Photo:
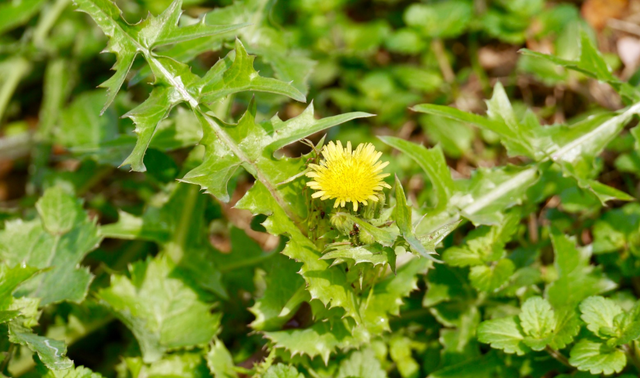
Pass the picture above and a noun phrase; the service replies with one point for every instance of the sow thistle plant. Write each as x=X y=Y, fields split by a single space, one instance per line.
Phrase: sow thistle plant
x=352 y=251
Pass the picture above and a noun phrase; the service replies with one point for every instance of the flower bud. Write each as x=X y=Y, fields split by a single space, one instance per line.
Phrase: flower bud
x=372 y=210
x=342 y=223
x=366 y=238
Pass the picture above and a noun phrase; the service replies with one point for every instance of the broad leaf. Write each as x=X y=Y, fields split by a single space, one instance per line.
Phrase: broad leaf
x=505 y=334
x=160 y=308
x=59 y=240
x=597 y=358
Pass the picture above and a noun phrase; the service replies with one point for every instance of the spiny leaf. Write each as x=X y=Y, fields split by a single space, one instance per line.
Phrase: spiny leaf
x=51 y=352
x=162 y=311
x=240 y=76
x=59 y=241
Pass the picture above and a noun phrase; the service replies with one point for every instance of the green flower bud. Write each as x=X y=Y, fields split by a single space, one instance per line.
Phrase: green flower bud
x=372 y=210
x=365 y=237
x=343 y=224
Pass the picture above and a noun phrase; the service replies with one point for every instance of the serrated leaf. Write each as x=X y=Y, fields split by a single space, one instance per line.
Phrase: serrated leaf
x=598 y=313
x=240 y=76
x=126 y=40
x=505 y=334
x=77 y=372
x=577 y=279
x=284 y=294
x=358 y=255
x=253 y=144
x=491 y=278
x=592 y=64
x=329 y=285
x=597 y=358
x=567 y=327
x=220 y=361
x=10 y=278
x=51 y=352
x=282 y=371
x=162 y=311
x=321 y=339
x=537 y=317
x=361 y=364
x=70 y=237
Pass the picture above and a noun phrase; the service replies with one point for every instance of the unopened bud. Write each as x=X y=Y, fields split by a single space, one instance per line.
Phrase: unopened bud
x=373 y=208
x=366 y=238
x=342 y=223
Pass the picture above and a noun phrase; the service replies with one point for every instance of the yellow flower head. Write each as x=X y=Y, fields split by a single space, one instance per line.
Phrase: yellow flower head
x=348 y=176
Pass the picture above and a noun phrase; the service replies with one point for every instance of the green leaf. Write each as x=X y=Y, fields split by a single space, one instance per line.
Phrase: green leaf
x=597 y=358
x=618 y=229
x=440 y=20
x=220 y=361
x=358 y=255
x=599 y=313
x=505 y=334
x=386 y=237
x=240 y=76
x=51 y=352
x=126 y=40
x=489 y=192
x=283 y=296
x=329 y=285
x=58 y=241
x=321 y=339
x=282 y=371
x=577 y=279
x=252 y=145
x=77 y=372
x=538 y=321
x=592 y=64
x=361 y=364
x=16 y=13
x=484 y=244
x=160 y=308
x=432 y=163
x=491 y=278
x=147 y=117
x=10 y=278
x=402 y=216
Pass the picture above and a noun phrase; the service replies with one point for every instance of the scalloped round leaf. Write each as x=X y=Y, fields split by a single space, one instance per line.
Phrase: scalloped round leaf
x=505 y=334
x=597 y=358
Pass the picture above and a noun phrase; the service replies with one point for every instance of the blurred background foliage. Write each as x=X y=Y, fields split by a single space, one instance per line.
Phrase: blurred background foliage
x=379 y=56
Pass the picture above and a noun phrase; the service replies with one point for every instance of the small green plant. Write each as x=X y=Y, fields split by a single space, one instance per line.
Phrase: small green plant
x=324 y=265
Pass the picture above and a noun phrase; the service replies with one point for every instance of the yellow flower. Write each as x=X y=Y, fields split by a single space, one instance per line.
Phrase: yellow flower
x=348 y=176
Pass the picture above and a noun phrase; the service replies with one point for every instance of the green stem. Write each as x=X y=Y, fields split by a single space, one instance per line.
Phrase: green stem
x=558 y=356
x=48 y=17
x=7 y=359
x=176 y=246
x=12 y=72
x=632 y=354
